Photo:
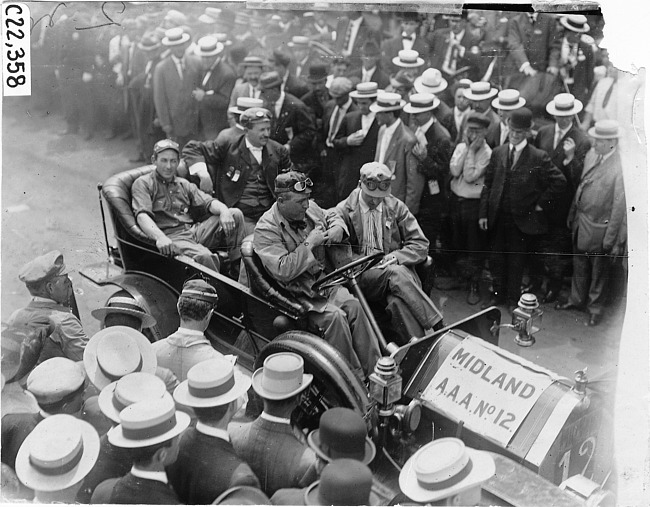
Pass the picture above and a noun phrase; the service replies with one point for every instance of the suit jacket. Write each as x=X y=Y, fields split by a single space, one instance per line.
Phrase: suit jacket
x=141 y=87
x=276 y=456
x=534 y=43
x=583 y=72
x=328 y=111
x=597 y=216
x=214 y=106
x=316 y=106
x=493 y=135
x=439 y=42
x=175 y=106
x=380 y=76
x=435 y=165
x=134 y=490
x=295 y=85
x=364 y=34
x=391 y=47
x=239 y=90
x=224 y=160
x=534 y=180
x=402 y=236
x=409 y=182
x=206 y=467
x=295 y=127
x=15 y=428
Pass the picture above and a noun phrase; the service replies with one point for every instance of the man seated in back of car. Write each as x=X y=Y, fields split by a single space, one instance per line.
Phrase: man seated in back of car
x=161 y=203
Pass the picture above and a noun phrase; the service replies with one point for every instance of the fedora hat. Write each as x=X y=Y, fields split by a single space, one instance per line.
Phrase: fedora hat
x=57 y=454
x=508 y=100
x=605 y=129
x=480 y=90
x=55 y=379
x=211 y=383
x=421 y=102
x=208 y=46
x=367 y=90
x=408 y=58
x=431 y=81
x=342 y=433
x=270 y=79
x=124 y=304
x=443 y=468
x=175 y=37
x=575 y=23
x=387 y=101
x=117 y=351
x=130 y=389
x=521 y=118
x=281 y=377
x=342 y=482
x=149 y=422
x=244 y=103
x=242 y=495
x=564 y=104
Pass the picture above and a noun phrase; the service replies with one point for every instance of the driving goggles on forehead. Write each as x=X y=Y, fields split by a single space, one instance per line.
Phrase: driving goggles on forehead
x=298 y=186
x=374 y=185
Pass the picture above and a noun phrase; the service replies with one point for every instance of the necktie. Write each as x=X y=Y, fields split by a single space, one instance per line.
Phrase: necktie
x=511 y=157
x=599 y=159
x=556 y=140
x=348 y=34
x=372 y=236
x=334 y=125
x=608 y=93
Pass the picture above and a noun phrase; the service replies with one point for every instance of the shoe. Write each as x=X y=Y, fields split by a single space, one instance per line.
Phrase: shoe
x=549 y=297
x=566 y=306
x=473 y=297
x=594 y=320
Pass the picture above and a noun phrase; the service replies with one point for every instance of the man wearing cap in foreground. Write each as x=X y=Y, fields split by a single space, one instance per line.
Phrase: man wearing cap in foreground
x=46 y=278
x=161 y=201
x=244 y=171
x=188 y=346
x=269 y=443
x=252 y=66
x=217 y=80
x=521 y=185
x=290 y=240
x=445 y=472
x=55 y=458
x=379 y=222
x=597 y=221
x=207 y=464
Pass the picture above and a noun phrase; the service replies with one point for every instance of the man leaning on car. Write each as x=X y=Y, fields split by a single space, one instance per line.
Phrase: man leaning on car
x=161 y=202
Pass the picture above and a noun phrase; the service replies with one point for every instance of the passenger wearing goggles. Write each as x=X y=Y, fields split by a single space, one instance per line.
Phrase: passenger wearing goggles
x=379 y=222
x=292 y=240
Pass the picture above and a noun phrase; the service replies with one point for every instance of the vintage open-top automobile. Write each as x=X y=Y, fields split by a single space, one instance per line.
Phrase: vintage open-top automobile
x=542 y=429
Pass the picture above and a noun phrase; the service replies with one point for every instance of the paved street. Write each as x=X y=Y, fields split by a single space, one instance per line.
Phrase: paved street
x=49 y=200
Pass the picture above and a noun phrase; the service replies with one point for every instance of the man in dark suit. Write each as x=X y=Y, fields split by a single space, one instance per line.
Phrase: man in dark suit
x=175 y=77
x=455 y=121
x=207 y=464
x=431 y=81
x=356 y=140
x=351 y=34
x=277 y=455
x=243 y=172
x=282 y=64
x=408 y=38
x=291 y=123
x=318 y=96
x=505 y=102
x=567 y=146
x=371 y=70
x=521 y=185
x=252 y=66
x=216 y=83
x=301 y=57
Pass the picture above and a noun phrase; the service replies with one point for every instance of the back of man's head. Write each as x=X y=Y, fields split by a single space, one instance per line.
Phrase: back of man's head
x=197 y=299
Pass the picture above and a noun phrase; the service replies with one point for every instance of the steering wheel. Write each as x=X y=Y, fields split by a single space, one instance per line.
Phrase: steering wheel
x=348 y=272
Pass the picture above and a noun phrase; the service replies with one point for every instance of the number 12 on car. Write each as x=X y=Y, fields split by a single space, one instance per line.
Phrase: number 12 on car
x=16 y=56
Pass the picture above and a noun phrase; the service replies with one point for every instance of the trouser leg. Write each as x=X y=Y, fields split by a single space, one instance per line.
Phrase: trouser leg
x=600 y=271
x=210 y=234
x=581 y=279
x=185 y=241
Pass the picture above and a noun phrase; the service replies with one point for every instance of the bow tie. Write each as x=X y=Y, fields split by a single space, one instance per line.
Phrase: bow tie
x=298 y=224
x=407 y=37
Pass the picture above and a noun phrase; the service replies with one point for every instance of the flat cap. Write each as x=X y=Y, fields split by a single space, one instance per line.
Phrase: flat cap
x=340 y=86
x=477 y=120
x=201 y=290
x=254 y=115
x=375 y=171
x=166 y=144
x=43 y=268
x=286 y=182
x=54 y=379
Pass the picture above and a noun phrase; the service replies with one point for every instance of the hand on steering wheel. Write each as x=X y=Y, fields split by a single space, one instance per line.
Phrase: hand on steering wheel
x=351 y=270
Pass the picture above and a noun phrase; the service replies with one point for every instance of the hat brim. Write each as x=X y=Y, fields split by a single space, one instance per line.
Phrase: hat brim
x=316 y=80
x=311 y=495
x=116 y=437
x=236 y=110
x=101 y=313
x=94 y=372
x=38 y=481
x=338 y=95
x=418 y=63
x=185 y=38
x=408 y=108
x=214 y=52
x=520 y=103
x=470 y=96
x=376 y=108
x=105 y=402
x=356 y=95
x=565 y=23
x=313 y=439
x=183 y=396
x=256 y=381
x=420 y=87
x=483 y=468
x=592 y=133
x=552 y=110
x=147 y=48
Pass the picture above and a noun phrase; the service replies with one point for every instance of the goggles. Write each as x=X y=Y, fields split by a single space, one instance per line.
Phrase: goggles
x=298 y=186
x=382 y=185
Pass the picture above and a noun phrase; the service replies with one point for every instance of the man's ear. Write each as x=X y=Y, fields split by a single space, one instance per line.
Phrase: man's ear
x=153 y=159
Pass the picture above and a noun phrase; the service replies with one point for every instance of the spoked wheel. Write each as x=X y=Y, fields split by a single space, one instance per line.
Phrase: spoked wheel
x=348 y=272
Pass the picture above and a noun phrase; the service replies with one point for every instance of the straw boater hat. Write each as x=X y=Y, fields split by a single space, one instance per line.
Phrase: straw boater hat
x=575 y=23
x=387 y=101
x=253 y=61
x=367 y=90
x=175 y=37
x=564 y=104
x=212 y=383
x=208 y=46
x=281 y=377
x=147 y=423
x=117 y=351
x=408 y=58
x=57 y=454
x=299 y=41
x=443 y=468
x=605 y=129
x=376 y=172
x=130 y=389
x=244 y=103
x=223 y=38
x=125 y=304
x=55 y=379
x=431 y=81
x=508 y=100
x=342 y=433
x=480 y=90
x=421 y=103
x=342 y=482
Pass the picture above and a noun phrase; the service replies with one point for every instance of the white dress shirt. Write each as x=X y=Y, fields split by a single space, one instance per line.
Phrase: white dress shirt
x=366 y=122
x=255 y=151
x=386 y=134
x=408 y=42
x=366 y=75
x=212 y=432
x=148 y=474
x=518 y=148
x=178 y=62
